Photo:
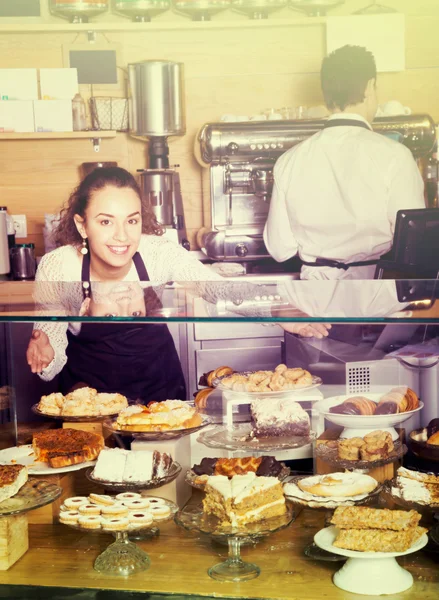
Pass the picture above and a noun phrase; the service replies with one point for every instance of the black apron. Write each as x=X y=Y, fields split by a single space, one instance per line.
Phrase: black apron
x=138 y=360
x=327 y=262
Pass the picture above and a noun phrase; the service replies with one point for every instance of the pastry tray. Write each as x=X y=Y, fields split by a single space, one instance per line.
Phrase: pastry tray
x=174 y=471
x=191 y=477
x=217 y=383
x=330 y=456
x=390 y=487
x=71 y=419
x=328 y=503
x=238 y=438
x=155 y=436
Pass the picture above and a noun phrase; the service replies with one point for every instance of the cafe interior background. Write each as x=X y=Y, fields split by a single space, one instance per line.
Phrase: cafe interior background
x=233 y=65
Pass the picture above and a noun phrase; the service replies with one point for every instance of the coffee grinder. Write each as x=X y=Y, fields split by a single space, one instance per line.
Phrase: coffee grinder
x=157 y=111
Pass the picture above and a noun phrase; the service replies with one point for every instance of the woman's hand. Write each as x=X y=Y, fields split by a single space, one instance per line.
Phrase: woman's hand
x=317 y=330
x=39 y=353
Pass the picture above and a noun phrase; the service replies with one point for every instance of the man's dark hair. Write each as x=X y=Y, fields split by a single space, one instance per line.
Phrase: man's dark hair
x=345 y=74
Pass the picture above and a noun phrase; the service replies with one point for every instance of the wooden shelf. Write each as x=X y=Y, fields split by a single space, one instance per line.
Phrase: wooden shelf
x=55 y=135
x=159 y=25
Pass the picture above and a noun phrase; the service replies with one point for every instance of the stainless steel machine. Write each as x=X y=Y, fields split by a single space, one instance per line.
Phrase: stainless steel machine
x=157 y=111
x=241 y=157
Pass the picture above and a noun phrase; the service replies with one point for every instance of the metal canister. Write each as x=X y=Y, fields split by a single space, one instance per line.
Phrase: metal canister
x=23 y=263
x=157 y=106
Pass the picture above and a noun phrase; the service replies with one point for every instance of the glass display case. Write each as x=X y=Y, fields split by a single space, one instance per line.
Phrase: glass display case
x=291 y=380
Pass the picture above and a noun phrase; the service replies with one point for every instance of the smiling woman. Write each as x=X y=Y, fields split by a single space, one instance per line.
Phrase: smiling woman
x=109 y=241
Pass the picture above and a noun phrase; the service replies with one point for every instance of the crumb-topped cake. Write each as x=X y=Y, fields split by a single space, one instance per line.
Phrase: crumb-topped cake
x=159 y=416
x=65 y=447
x=243 y=499
x=12 y=479
x=131 y=466
x=278 y=417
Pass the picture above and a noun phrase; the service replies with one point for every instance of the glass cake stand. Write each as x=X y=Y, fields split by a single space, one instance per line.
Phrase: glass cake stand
x=34 y=494
x=155 y=436
x=123 y=558
x=239 y=438
x=122 y=486
x=218 y=383
x=330 y=456
x=192 y=518
x=71 y=419
x=328 y=506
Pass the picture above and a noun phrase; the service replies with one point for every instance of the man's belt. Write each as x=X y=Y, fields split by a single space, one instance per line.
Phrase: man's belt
x=327 y=262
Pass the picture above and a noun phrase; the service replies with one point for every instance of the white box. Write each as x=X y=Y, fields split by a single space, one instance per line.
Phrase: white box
x=53 y=115
x=58 y=84
x=16 y=116
x=18 y=84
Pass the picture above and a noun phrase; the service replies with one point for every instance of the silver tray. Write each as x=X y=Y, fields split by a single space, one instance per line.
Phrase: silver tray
x=191 y=477
x=217 y=383
x=34 y=494
x=152 y=484
x=330 y=455
x=155 y=436
x=69 y=419
x=238 y=438
x=330 y=504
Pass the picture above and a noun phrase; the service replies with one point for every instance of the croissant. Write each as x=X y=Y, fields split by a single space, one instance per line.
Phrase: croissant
x=355 y=406
x=398 y=400
x=201 y=397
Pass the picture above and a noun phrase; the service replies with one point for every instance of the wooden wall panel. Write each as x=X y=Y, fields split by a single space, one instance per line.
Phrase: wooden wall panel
x=237 y=71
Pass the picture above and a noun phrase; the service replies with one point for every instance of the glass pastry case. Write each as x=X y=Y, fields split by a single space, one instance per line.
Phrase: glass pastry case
x=301 y=461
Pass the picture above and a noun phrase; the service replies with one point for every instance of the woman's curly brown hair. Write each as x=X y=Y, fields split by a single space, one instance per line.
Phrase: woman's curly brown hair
x=66 y=231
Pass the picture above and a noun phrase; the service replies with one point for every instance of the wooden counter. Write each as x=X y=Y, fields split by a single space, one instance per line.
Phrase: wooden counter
x=60 y=556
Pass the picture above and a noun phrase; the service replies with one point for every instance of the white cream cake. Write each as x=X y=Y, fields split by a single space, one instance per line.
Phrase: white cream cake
x=131 y=466
x=278 y=417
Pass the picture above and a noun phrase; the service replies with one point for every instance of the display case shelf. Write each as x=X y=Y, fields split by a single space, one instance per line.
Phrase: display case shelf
x=58 y=135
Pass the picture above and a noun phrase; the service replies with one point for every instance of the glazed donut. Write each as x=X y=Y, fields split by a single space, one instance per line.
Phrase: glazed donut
x=117 y=510
x=90 y=521
x=116 y=524
x=89 y=509
x=338 y=485
x=75 y=502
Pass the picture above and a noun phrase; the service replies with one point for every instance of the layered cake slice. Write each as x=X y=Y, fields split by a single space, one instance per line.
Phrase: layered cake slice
x=12 y=479
x=131 y=466
x=278 y=417
x=244 y=498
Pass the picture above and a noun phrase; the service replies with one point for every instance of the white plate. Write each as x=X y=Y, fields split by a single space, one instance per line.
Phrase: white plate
x=24 y=455
x=362 y=421
x=326 y=537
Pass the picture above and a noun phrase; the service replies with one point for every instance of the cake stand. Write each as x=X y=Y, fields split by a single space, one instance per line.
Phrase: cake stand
x=238 y=438
x=360 y=425
x=134 y=486
x=13 y=521
x=192 y=518
x=380 y=575
x=191 y=478
x=328 y=506
x=73 y=419
x=123 y=558
x=330 y=455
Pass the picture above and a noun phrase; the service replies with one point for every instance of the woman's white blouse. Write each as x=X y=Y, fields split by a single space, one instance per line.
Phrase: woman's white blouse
x=164 y=260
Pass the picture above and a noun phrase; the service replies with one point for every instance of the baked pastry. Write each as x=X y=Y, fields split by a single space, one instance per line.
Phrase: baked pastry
x=65 y=447
x=282 y=378
x=202 y=396
x=363 y=517
x=398 y=400
x=375 y=540
x=237 y=466
x=418 y=476
x=378 y=445
x=266 y=466
x=51 y=404
x=110 y=404
x=338 y=485
x=350 y=449
x=358 y=405
x=434 y=439
x=80 y=402
x=159 y=416
x=208 y=378
x=12 y=479
x=278 y=417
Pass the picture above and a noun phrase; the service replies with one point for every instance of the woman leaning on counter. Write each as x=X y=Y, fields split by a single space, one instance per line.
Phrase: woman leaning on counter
x=106 y=234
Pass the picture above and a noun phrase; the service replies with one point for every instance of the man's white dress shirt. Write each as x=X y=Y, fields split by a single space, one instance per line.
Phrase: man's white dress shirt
x=336 y=196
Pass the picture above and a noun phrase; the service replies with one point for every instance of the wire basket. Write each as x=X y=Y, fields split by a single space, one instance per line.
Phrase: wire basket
x=109 y=113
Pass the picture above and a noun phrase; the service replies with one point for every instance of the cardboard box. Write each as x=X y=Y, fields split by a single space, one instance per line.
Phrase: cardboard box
x=16 y=116
x=53 y=115
x=58 y=84
x=18 y=84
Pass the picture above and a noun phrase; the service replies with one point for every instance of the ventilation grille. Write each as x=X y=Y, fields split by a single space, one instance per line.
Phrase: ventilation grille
x=358 y=380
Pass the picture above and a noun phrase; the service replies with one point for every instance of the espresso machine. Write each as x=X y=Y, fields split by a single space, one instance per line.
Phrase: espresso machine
x=241 y=157
x=156 y=103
